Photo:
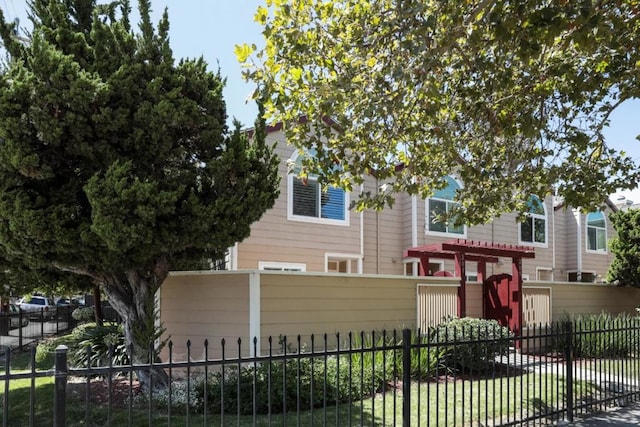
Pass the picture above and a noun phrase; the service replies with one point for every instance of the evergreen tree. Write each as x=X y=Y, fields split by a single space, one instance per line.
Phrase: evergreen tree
x=115 y=160
x=625 y=247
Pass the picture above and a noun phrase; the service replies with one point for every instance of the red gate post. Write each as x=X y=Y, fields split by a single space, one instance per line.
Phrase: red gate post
x=462 y=289
x=516 y=303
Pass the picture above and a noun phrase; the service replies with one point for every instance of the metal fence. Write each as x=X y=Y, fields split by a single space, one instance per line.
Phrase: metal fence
x=20 y=329
x=473 y=374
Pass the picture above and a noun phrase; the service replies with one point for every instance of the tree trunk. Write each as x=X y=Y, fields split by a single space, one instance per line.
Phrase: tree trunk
x=132 y=295
x=97 y=305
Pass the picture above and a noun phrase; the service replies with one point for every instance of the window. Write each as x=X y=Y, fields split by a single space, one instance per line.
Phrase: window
x=585 y=277
x=439 y=209
x=412 y=267
x=309 y=202
x=596 y=232
x=343 y=263
x=281 y=266
x=534 y=227
x=544 y=274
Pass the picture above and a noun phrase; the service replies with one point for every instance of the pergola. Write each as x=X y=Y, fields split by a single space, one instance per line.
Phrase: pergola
x=480 y=252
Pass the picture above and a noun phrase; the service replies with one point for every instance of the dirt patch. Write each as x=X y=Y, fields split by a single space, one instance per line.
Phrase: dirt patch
x=99 y=391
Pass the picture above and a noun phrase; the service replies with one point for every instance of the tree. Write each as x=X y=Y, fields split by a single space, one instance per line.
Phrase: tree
x=116 y=162
x=625 y=247
x=510 y=96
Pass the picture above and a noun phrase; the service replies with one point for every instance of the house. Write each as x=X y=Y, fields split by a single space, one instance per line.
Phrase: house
x=308 y=230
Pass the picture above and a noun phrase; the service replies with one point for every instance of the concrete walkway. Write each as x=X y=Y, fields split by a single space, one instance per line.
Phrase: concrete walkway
x=627 y=416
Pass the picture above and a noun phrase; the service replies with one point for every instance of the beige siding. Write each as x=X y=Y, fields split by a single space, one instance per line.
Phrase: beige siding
x=303 y=304
x=589 y=298
x=205 y=306
x=275 y=238
x=214 y=305
x=475 y=306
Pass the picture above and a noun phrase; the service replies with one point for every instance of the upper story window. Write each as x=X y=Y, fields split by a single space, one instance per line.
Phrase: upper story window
x=309 y=202
x=439 y=208
x=596 y=232
x=534 y=227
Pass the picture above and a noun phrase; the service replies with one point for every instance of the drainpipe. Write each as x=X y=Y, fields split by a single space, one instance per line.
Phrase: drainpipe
x=377 y=231
x=553 y=243
x=361 y=260
x=414 y=230
x=579 y=244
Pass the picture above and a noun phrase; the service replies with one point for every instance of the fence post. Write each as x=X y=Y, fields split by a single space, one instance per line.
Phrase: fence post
x=406 y=378
x=5 y=397
x=20 y=314
x=568 y=354
x=60 y=390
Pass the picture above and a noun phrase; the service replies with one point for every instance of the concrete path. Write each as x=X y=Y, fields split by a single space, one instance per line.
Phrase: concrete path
x=627 y=416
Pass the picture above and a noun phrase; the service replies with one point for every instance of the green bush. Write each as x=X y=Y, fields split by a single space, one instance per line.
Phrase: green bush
x=83 y=314
x=427 y=362
x=470 y=344
x=604 y=335
x=98 y=339
x=307 y=381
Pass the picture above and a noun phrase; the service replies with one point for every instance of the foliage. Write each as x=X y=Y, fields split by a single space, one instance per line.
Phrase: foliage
x=625 y=247
x=95 y=345
x=45 y=350
x=504 y=94
x=84 y=314
x=604 y=335
x=116 y=162
x=471 y=344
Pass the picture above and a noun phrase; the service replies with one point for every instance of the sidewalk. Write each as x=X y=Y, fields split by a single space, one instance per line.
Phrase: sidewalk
x=622 y=417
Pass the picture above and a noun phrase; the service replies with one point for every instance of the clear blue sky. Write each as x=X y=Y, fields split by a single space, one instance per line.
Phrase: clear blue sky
x=211 y=28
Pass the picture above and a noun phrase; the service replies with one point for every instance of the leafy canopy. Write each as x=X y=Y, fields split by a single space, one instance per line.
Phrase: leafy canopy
x=510 y=96
x=625 y=247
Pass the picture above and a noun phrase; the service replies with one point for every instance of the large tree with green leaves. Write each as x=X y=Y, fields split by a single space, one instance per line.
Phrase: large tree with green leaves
x=625 y=247
x=512 y=96
x=115 y=160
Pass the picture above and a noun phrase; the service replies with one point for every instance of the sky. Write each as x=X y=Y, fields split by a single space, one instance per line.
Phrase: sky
x=212 y=28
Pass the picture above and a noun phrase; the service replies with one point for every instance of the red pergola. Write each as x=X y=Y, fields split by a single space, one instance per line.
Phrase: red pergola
x=482 y=253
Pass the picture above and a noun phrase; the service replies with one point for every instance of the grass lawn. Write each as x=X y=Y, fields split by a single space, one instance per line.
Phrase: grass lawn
x=480 y=400
x=627 y=368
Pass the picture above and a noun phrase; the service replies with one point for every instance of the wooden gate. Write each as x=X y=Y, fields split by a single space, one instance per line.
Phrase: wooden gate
x=502 y=301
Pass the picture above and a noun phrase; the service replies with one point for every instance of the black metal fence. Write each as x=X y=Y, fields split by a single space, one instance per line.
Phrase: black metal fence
x=19 y=329
x=449 y=376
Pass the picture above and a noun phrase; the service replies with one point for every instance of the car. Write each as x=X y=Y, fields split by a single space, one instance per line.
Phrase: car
x=38 y=305
x=15 y=319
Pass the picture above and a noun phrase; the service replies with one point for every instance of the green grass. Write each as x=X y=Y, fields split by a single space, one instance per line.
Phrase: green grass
x=504 y=399
x=628 y=368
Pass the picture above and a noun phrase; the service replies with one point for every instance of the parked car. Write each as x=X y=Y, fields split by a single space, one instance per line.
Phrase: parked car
x=68 y=302
x=37 y=305
x=15 y=318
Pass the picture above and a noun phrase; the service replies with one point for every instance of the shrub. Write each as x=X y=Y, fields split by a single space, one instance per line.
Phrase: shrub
x=604 y=335
x=83 y=314
x=427 y=362
x=305 y=380
x=98 y=339
x=470 y=344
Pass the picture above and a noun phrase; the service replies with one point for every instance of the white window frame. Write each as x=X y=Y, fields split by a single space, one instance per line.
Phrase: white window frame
x=281 y=266
x=330 y=256
x=416 y=266
x=539 y=269
x=586 y=235
x=427 y=221
x=533 y=217
x=316 y=220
